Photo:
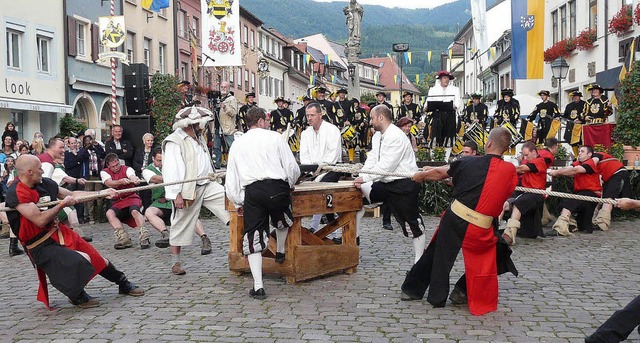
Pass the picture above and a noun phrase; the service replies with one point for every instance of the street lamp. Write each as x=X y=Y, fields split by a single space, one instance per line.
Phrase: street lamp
x=351 y=68
x=400 y=47
x=559 y=69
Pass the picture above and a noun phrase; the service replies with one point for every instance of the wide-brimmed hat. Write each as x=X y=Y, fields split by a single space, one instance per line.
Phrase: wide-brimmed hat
x=407 y=93
x=506 y=91
x=404 y=121
x=192 y=115
x=355 y=100
x=595 y=86
x=576 y=93
x=445 y=73
x=287 y=101
x=321 y=90
x=280 y=98
x=381 y=93
x=305 y=98
x=250 y=94
x=476 y=96
x=342 y=90
x=544 y=92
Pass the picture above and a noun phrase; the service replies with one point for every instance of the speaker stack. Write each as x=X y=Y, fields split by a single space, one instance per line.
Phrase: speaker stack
x=136 y=88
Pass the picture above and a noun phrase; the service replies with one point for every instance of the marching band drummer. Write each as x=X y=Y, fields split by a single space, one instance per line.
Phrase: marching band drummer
x=507 y=111
x=361 y=124
x=574 y=113
x=281 y=116
x=476 y=112
x=343 y=116
x=547 y=110
x=409 y=109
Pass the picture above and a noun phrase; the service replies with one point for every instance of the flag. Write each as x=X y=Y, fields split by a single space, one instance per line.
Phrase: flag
x=429 y=56
x=220 y=31
x=628 y=60
x=193 y=44
x=527 y=39
x=312 y=79
x=375 y=79
x=409 y=56
x=333 y=79
x=389 y=55
x=155 y=5
x=417 y=78
x=492 y=52
x=307 y=58
x=479 y=17
x=395 y=78
x=450 y=54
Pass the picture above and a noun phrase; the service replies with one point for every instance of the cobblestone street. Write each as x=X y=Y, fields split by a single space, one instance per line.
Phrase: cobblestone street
x=567 y=287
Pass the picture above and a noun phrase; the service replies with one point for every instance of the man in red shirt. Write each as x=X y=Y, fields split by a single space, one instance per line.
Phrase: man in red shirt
x=586 y=181
x=617 y=183
x=481 y=184
x=54 y=248
x=529 y=205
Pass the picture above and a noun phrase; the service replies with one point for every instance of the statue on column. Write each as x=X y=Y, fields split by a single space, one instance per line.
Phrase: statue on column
x=354 y=23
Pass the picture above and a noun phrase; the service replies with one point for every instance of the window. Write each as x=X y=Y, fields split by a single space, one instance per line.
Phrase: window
x=14 y=49
x=276 y=87
x=183 y=71
x=231 y=76
x=252 y=39
x=129 y=42
x=270 y=86
x=260 y=38
x=253 y=81
x=44 y=47
x=593 y=14
x=246 y=79
x=261 y=88
x=195 y=25
x=147 y=52
x=554 y=25
x=182 y=24
x=563 y=22
x=81 y=38
x=245 y=35
x=162 y=48
x=572 y=19
x=239 y=78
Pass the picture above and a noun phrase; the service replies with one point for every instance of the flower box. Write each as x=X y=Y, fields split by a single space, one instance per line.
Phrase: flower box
x=622 y=21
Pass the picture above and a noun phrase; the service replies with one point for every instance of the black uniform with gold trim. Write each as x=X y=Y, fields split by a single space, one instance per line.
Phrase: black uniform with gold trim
x=327 y=110
x=374 y=104
x=412 y=110
x=598 y=109
x=507 y=111
x=576 y=110
x=476 y=112
x=242 y=113
x=280 y=118
x=342 y=112
x=547 y=111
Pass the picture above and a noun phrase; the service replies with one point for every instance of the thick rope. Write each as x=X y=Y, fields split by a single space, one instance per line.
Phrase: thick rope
x=211 y=177
x=356 y=169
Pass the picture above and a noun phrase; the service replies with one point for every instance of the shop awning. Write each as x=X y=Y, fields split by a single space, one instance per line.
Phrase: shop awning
x=39 y=106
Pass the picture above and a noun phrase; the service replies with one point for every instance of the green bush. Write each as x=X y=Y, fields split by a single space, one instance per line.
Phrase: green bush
x=167 y=101
x=69 y=126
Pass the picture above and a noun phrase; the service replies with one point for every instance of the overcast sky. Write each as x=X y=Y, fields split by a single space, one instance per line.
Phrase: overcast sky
x=400 y=3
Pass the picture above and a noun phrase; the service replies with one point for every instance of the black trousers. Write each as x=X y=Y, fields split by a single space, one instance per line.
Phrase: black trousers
x=583 y=210
x=263 y=200
x=618 y=186
x=618 y=327
x=545 y=126
x=402 y=198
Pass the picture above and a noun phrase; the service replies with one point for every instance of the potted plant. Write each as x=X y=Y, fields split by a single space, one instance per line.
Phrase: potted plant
x=562 y=48
x=622 y=21
x=586 y=38
x=617 y=150
x=636 y=14
x=627 y=130
x=561 y=156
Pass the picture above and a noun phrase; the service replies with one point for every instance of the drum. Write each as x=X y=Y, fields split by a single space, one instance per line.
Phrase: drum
x=348 y=133
x=458 y=145
x=515 y=135
x=555 y=127
x=414 y=130
x=476 y=133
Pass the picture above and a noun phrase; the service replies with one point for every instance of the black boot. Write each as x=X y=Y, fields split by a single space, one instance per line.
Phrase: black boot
x=124 y=286
x=14 y=249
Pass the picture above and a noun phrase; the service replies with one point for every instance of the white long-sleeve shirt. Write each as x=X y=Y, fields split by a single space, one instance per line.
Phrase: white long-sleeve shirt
x=451 y=93
x=174 y=167
x=390 y=152
x=258 y=155
x=324 y=146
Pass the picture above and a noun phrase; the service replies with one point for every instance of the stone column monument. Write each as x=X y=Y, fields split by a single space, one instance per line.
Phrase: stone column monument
x=354 y=13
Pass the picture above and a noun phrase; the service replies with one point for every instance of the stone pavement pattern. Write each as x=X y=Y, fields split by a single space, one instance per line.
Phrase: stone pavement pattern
x=566 y=288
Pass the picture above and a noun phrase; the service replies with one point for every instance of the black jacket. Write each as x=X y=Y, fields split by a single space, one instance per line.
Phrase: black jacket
x=126 y=152
x=77 y=165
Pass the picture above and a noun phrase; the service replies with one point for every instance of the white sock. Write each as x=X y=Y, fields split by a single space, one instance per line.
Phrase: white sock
x=419 y=245
x=281 y=236
x=359 y=216
x=255 y=264
x=315 y=221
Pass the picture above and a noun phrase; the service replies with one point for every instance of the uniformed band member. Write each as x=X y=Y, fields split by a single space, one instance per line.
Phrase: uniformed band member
x=476 y=111
x=547 y=111
x=526 y=208
x=443 y=124
x=507 y=108
x=281 y=116
x=574 y=113
x=326 y=105
x=481 y=185
x=260 y=175
x=409 y=108
x=300 y=119
x=381 y=99
x=361 y=124
x=343 y=116
x=598 y=107
x=250 y=103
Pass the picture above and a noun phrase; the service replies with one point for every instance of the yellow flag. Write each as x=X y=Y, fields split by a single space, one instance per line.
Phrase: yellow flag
x=450 y=54
x=389 y=55
x=409 y=55
x=311 y=79
x=333 y=79
x=329 y=58
x=417 y=78
x=492 y=51
x=429 y=56
x=308 y=58
x=395 y=78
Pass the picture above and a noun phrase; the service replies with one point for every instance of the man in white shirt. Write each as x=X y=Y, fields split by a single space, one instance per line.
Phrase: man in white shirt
x=320 y=143
x=443 y=123
x=260 y=175
x=392 y=153
x=189 y=157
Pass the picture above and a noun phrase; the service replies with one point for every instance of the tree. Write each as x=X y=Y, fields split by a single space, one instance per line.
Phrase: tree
x=69 y=126
x=627 y=130
x=167 y=101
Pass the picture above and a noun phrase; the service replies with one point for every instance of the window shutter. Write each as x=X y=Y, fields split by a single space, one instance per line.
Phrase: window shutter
x=95 y=43
x=71 y=36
